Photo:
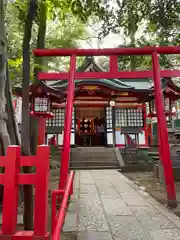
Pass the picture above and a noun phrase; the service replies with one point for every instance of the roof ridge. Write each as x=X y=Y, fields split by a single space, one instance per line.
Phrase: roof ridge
x=118 y=80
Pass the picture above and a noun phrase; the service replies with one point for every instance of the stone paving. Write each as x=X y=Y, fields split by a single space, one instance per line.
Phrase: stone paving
x=108 y=206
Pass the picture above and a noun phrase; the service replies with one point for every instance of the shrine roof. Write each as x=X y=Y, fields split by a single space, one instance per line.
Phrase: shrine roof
x=44 y=89
x=89 y=64
x=111 y=83
x=131 y=85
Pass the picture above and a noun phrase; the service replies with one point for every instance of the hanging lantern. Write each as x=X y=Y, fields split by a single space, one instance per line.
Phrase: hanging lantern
x=112 y=103
x=41 y=103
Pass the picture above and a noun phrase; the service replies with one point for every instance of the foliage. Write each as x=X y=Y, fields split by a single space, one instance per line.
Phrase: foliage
x=63 y=30
x=144 y=22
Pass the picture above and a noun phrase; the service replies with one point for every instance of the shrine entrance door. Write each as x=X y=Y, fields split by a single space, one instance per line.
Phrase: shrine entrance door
x=90 y=126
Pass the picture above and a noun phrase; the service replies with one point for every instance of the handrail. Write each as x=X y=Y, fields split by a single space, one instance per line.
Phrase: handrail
x=61 y=215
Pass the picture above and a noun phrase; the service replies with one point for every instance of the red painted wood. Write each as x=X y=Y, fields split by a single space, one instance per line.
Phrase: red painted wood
x=107 y=51
x=28 y=235
x=28 y=178
x=170 y=73
x=58 y=192
x=113 y=64
x=10 y=197
x=2 y=178
x=145 y=124
x=162 y=129
x=21 y=178
x=95 y=75
x=41 y=191
x=41 y=114
x=41 y=130
x=2 y=161
x=53 y=210
x=61 y=215
x=103 y=75
x=11 y=179
x=67 y=125
x=28 y=161
x=55 y=193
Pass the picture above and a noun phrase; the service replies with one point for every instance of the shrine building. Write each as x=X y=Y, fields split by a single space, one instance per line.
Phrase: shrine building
x=107 y=110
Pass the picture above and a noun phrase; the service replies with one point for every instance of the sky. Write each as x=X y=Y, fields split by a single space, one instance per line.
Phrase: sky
x=112 y=40
x=109 y=42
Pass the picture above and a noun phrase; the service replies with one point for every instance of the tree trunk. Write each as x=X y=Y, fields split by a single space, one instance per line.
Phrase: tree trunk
x=4 y=136
x=12 y=125
x=25 y=134
x=38 y=62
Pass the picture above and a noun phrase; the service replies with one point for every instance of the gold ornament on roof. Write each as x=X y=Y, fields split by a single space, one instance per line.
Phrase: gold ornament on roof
x=90 y=88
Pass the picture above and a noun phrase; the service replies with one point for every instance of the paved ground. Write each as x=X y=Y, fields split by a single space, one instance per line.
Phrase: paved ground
x=108 y=206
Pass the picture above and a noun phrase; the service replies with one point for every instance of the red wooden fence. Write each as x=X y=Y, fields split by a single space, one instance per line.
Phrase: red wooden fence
x=11 y=181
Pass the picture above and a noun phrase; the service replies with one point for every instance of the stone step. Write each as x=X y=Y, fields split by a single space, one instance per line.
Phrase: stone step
x=93 y=167
x=85 y=159
x=93 y=163
x=105 y=154
x=92 y=151
x=93 y=158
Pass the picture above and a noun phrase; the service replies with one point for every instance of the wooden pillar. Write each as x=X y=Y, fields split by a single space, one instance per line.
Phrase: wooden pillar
x=145 y=125
x=41 y=130
x=67 y=125
x=163 y=134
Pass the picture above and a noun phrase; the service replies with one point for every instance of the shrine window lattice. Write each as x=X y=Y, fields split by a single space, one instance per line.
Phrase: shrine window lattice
x=57 y=120
x=129 y=118
x=109 y=117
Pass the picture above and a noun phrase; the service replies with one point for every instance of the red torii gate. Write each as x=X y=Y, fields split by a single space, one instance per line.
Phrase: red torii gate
x=156 y=74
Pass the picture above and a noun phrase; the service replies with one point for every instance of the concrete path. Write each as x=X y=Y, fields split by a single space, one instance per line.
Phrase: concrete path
x=108 y=206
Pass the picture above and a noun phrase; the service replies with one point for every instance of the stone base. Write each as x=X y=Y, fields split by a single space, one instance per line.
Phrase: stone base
x=109 y=146
x=172 y=203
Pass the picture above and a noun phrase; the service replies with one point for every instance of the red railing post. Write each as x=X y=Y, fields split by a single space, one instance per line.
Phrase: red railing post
x=10 y=198
x=62 y=212
x=71 y=189
x=67 y=126
x=41 y=130
x=55 y=194
x=41 y=191
x=163 y=134
x=53 y=211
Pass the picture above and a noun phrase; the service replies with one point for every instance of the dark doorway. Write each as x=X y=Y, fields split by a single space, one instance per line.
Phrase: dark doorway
x=90 y=126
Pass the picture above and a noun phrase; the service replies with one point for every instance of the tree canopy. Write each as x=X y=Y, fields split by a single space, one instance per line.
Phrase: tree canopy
x=61 y=32
x=141 y=23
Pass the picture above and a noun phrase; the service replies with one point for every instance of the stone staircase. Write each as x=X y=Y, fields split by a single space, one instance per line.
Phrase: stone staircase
x=93 y=158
